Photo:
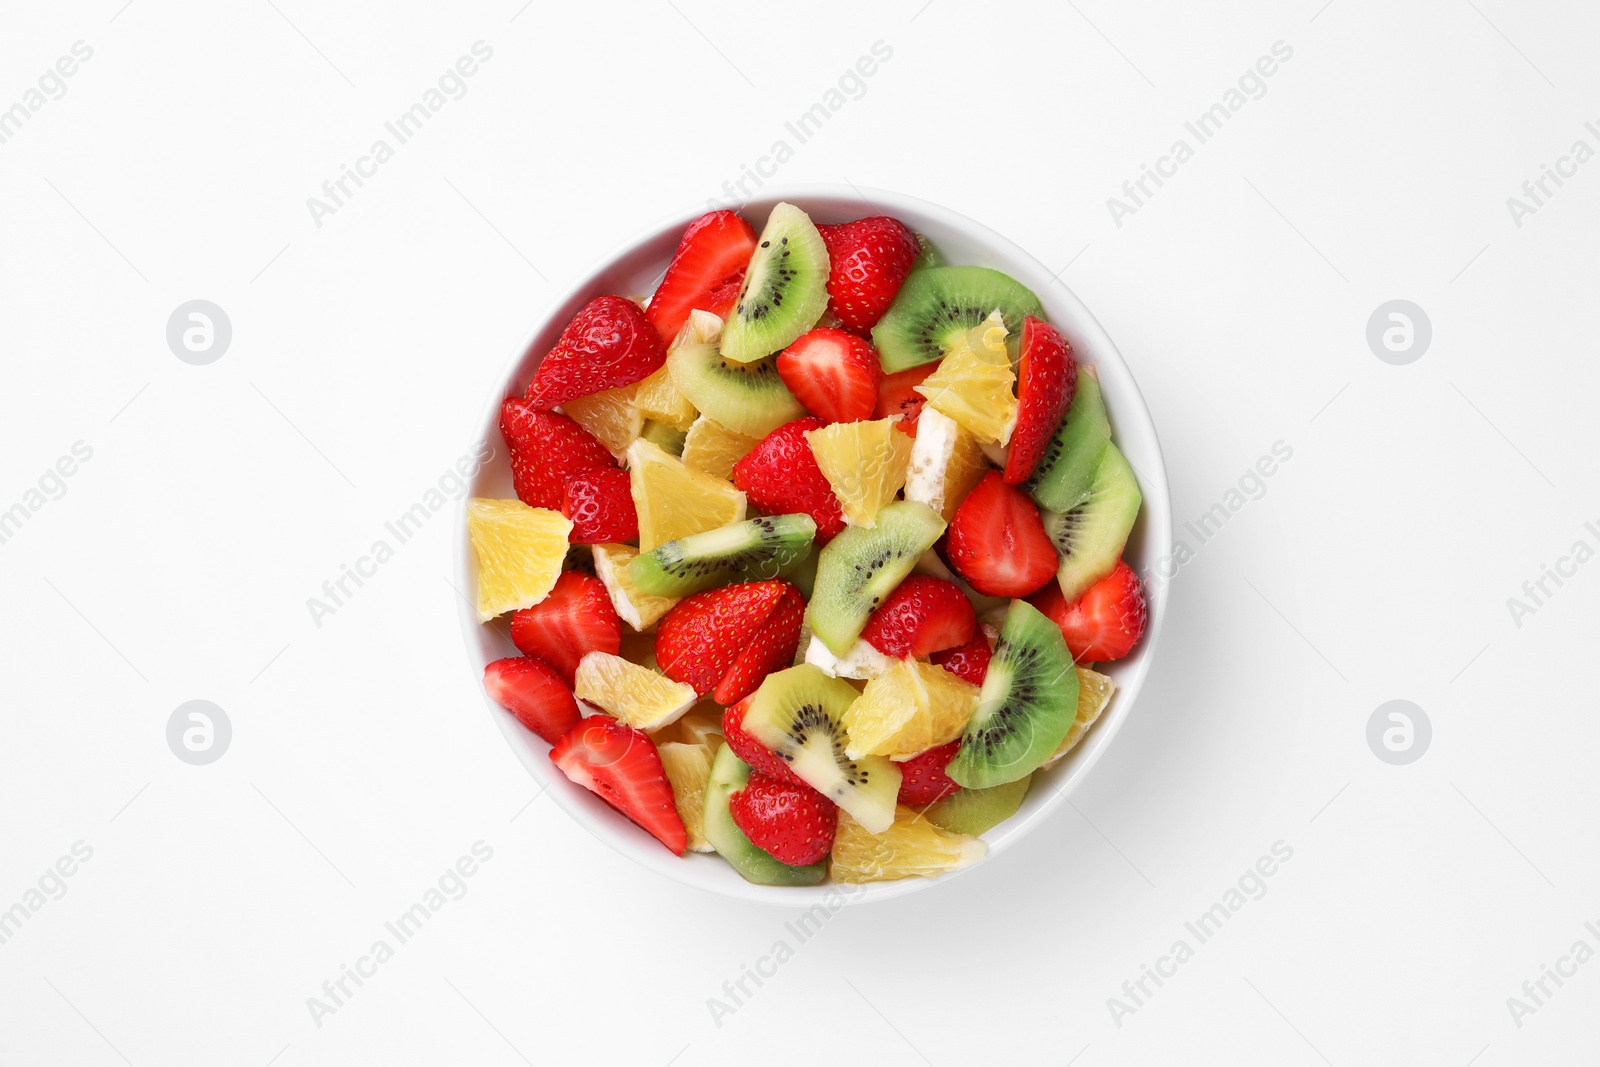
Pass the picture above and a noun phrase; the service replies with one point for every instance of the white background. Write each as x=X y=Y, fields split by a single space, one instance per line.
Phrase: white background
x=219 y=498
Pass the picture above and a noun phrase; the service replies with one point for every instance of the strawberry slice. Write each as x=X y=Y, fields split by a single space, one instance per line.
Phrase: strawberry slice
x=793 y=824
x=868 y=260
x=535 y=693
x=575 y=619
x=547 y=451
x=834 y=374
x=922 y=616
x=600 y=505
x=969 y=662
x=922 y=777
x=703 y=636
x=705 y=273
x=762 y=759
x=608 y=344
x=1105 y=623
x=772 y=648
x=897 y=395
x=620 y=765
x=781 y=477
x=1047 y=379
x=997 y=541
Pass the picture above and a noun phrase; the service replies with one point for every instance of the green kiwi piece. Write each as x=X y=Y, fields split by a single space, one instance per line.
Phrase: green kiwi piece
x=799 y=714
x=729 y=774
x=977 y=811
x=1066 y=470
x=785 y=288
x=930 y=256
x=747 y=398
x=749 y=551
x=862 y=565
x=1028 y=702
x=1091 y=534
x=663 y=437
x=937 y=305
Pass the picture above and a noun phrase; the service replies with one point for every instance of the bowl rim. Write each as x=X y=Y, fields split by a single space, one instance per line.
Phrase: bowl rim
x=1131 y=416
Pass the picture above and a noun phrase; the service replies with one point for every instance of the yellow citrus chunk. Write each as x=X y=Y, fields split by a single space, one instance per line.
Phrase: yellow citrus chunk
x=519 y=552
x=909 y=708
x=946 y=462
x=610 y=416
x=973 y=384
x=688 y=767
x=659 y=399
x=638 y=610
x=910 y=846
x=700 y=725
x=713 y=449
x=864 y=462
x=633 y=694
x=675 y=501
x=1094 y=693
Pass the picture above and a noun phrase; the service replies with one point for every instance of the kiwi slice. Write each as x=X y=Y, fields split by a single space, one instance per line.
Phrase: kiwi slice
x=929 y=256
x=799 y=714
x=1066 y=470
x=664 y=437
x=862 y=565
x=785 y=288
x=729 y=774
x=977 y=811
x=749 y=551
x=747 y=398
x=1028 y=702
x=937 y=305
x=1090 y=535
x=804 y=573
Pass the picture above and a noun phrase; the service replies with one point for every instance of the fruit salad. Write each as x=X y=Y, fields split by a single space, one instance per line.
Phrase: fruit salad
x=814 y=551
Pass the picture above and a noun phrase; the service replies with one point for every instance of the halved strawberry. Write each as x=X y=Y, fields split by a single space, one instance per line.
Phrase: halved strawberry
x=922 y=616
x=1105 y=623
x=897 y=395
x=620 y=765
x=781 y=477
x=997 y=541
x=793 y=824
x=704 y=635
x=922 y=777
x=762 y=759
x=1047 y=379
x=868 y=260
x=705 y=273
x=547 y=451
x=608 y=344
x=535 y=693
x=772 y=648
x=600 y=505
x=834 y=374
x=969 y=662
x=575 y=619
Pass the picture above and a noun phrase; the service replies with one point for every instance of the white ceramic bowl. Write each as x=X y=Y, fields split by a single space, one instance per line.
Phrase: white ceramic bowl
x=634 y=270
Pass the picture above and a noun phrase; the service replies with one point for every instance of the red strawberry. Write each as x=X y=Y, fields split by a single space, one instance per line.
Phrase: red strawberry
x=1105 y=623
x=532 y=691
x=922 y=777
x=705 y=273
x=897 y=396
x=620 y=764
x=600 y=505
x=869 y=259
x=833 y=374
x=922 y=616
x=608 y=344
x=547 y=451
x=1047 y=379
x=761 y=759
x=771 y=649
x=793 y=824
x=997 y=541
x=969 y=662
x=781 y=477
x=575 y=619
x=704 y=635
